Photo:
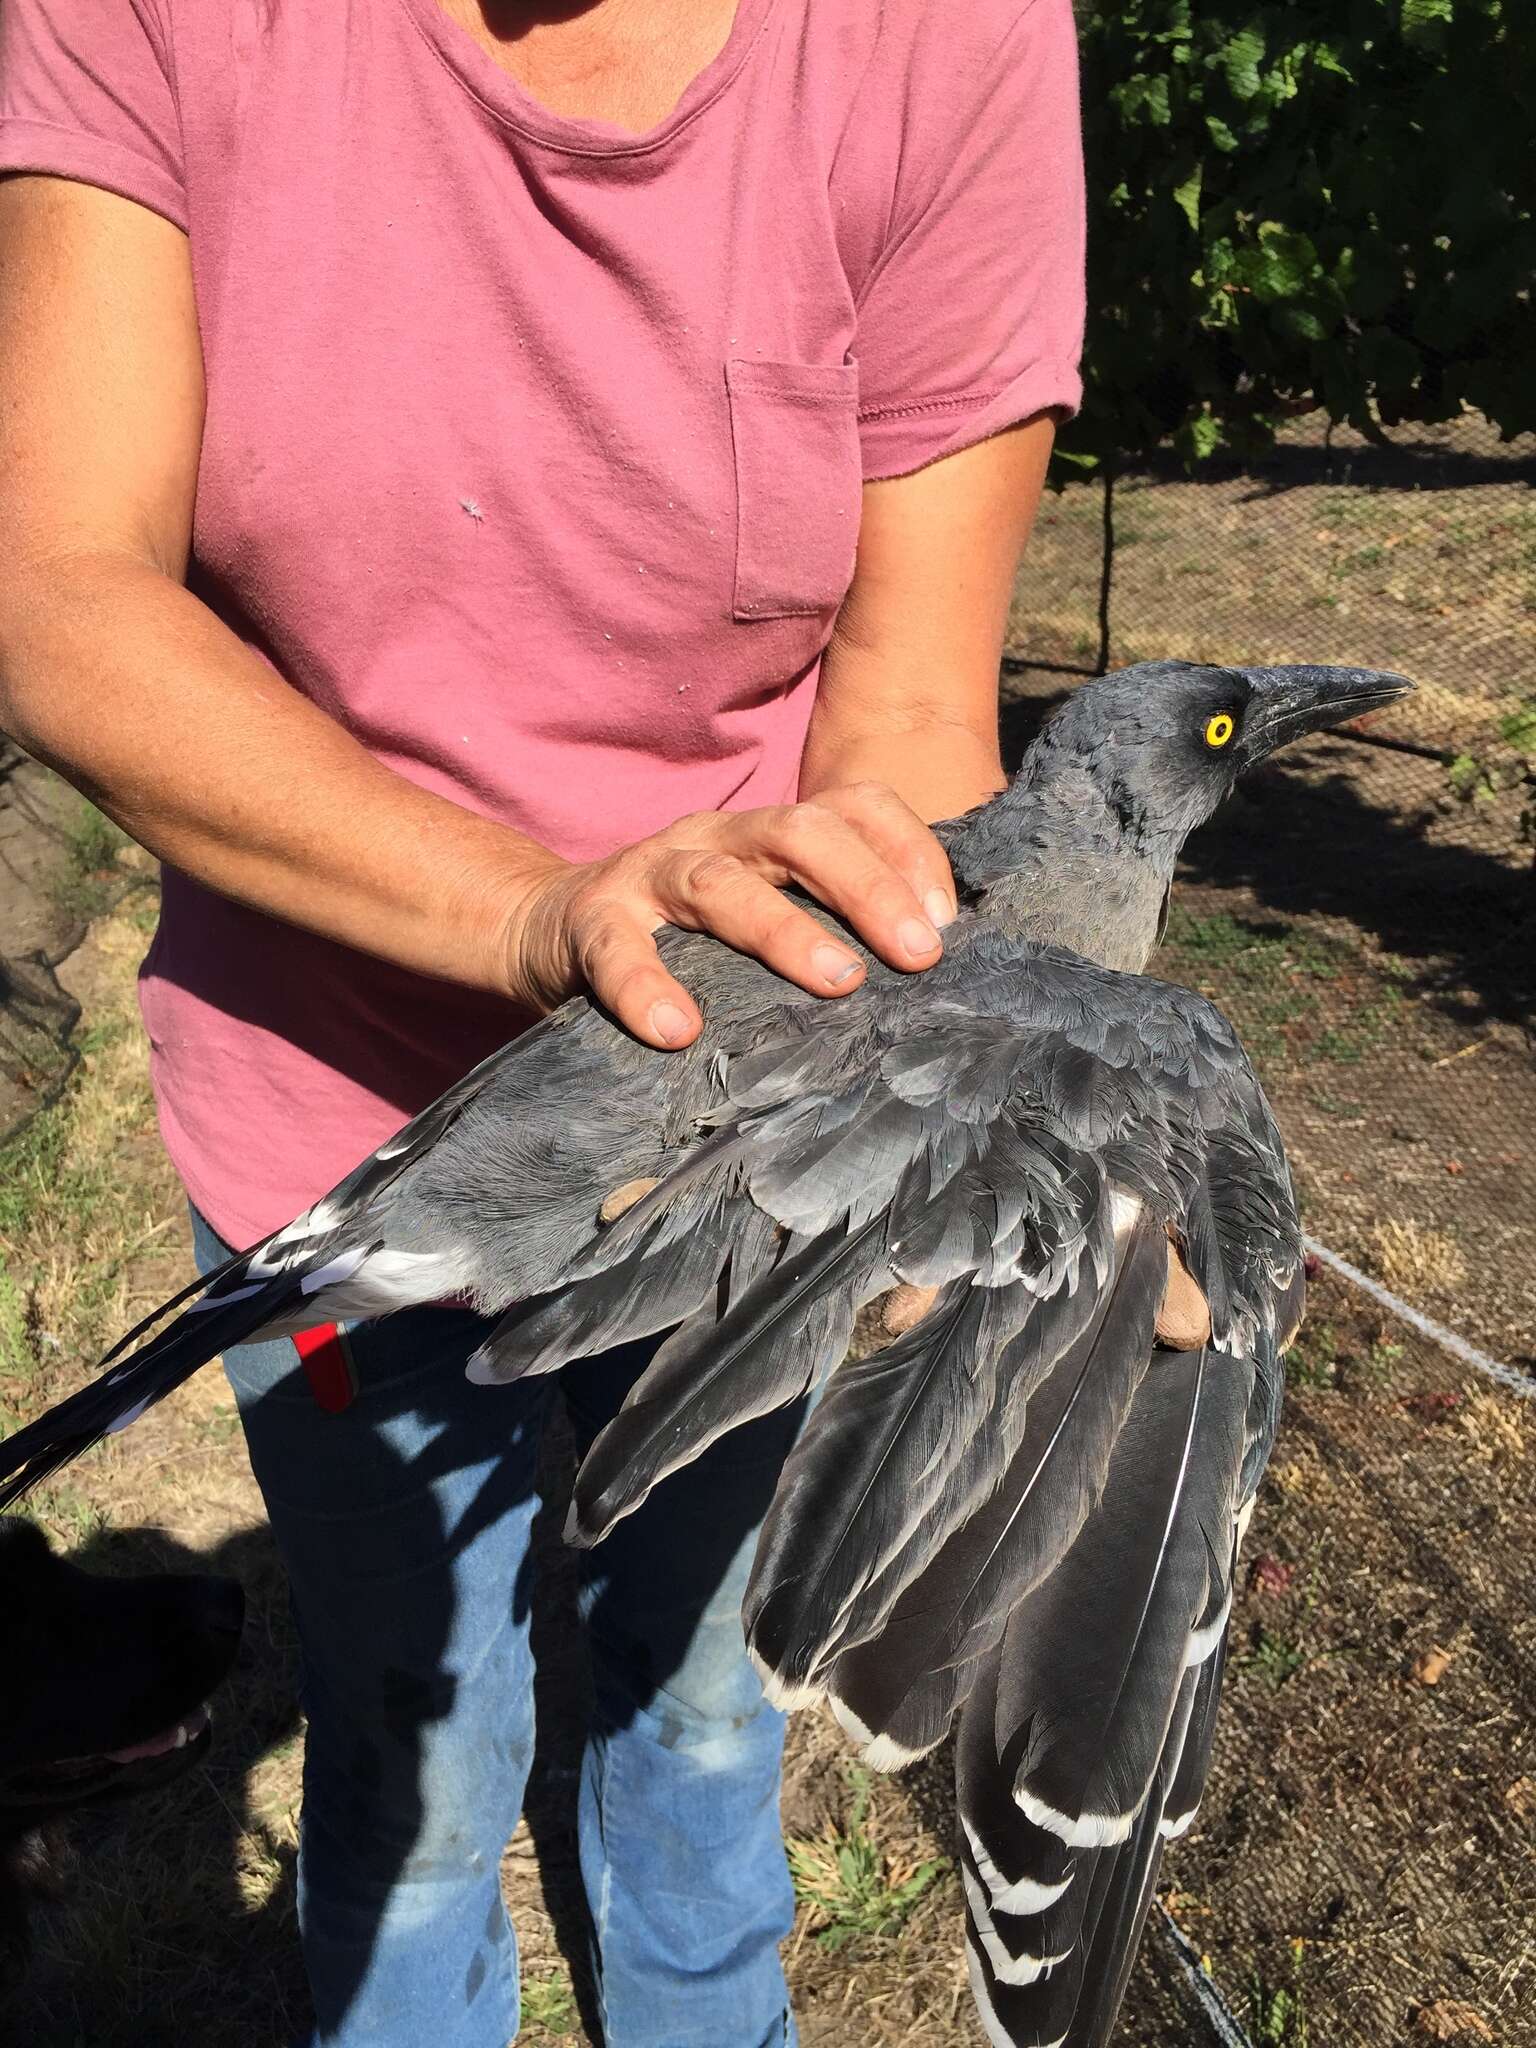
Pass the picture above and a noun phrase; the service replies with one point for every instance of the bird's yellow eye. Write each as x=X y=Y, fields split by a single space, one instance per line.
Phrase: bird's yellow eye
x=1219 y=730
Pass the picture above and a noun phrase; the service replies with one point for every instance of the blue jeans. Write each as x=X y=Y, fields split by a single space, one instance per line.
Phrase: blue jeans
x=404 y=1524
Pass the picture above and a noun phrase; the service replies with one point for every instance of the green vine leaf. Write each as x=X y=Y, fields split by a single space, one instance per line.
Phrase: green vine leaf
x=1241 y=59
x=1337 y=236
x=1187 y=196
x=1424 y=18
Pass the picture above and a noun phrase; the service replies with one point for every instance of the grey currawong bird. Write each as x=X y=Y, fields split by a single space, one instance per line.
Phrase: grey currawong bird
x=1026 y=1508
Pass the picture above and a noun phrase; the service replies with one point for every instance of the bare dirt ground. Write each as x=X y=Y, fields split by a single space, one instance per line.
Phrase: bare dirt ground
x=1364 y=1871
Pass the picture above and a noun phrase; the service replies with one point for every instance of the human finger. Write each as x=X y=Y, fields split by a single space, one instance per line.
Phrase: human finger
x=616 y=956
x=835 y=863
x=899 y=835
x=718 y=893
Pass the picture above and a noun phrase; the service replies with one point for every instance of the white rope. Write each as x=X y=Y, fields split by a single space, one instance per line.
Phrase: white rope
x=1507 y=1375
x=1223 y=2021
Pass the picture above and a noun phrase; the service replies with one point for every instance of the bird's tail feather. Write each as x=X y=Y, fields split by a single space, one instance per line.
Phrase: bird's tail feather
x=234 y=1306
x=1054 y=1976
x=1086 y=1737
x=328 y=1262
x=200 y=1283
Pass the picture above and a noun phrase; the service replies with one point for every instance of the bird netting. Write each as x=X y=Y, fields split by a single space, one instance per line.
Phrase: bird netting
x=1364 y=1870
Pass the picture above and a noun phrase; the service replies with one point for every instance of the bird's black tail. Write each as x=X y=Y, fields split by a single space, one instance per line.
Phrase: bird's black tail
x=1085 y=1740
x=234 y=1303
x=312 y=1270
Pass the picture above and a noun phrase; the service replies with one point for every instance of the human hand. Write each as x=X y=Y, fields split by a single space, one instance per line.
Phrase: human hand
x=859 y=849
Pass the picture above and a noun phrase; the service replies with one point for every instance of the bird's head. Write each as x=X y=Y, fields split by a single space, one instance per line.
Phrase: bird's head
x=1165 y=741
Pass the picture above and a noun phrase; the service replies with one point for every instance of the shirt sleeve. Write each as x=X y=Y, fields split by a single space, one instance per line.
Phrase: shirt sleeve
x=972 y=317
x=86 y=93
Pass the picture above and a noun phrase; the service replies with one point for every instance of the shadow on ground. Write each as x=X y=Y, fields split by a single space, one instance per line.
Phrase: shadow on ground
x=177 y=1873
x=1430 y=462
x=189 y=1897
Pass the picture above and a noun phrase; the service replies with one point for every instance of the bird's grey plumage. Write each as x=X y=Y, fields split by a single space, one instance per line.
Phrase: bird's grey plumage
x=1022 y=1510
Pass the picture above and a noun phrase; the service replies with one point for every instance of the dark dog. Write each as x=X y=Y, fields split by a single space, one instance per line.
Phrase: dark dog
x=104 y=1694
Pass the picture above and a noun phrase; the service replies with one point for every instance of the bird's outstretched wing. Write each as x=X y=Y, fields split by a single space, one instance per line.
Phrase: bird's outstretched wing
x=1018 y=1129
x=1022 y=1508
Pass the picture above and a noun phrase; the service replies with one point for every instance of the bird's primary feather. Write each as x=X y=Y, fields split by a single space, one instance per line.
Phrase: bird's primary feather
x=789 y=1327
x=902 y=1662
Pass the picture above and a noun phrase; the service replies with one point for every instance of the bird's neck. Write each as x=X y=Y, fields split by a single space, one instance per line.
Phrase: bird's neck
x=1061 y=859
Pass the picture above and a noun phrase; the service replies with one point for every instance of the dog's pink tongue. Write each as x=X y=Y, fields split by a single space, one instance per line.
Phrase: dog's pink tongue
x=176 y=1737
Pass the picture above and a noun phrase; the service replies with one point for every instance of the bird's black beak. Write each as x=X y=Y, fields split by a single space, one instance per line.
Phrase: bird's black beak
x=1288 y=702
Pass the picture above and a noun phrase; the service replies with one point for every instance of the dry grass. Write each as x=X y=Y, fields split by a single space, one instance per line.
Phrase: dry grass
x=1416 y=1260
x=74 y=1225
x=176 y=1922
x=1502 y=1433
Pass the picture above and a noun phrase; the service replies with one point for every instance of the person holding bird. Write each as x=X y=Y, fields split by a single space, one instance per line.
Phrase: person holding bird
x=490 y=486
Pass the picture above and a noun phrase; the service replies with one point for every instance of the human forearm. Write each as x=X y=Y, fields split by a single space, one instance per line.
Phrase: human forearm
x=112 y=671
x=214 y=763
x=908 y=692
x=123 y=681
x=938 y=761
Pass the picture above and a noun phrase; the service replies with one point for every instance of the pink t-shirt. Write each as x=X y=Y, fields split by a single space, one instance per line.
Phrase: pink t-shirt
x=533 y=449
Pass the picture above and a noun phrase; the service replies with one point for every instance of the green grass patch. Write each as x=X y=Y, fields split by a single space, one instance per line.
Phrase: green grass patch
x=92 y=875
x=1358 y=507
x=1254 y=952
x=1268 y=974
x=1278 y=2012
x=1290 y=991
x=43 y=1168
x=852 y=1888
x=66 y=1513
x=1364 y=1031
x=1313 y=1360
x=220 y=1426
x=70 y=1225
x=1275 y=1659
x=32 y=1164
x=548 y=2002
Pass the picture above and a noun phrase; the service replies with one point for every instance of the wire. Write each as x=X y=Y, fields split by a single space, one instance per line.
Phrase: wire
x=1224 y=2024
x=1509 y=1376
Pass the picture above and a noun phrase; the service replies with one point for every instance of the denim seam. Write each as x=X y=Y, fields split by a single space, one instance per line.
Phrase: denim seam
x=602 y=1911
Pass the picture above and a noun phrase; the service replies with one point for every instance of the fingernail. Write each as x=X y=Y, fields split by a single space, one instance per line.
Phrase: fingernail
x=834 y=965
x=669 y=1023
x=939 y=907
x=917 y=938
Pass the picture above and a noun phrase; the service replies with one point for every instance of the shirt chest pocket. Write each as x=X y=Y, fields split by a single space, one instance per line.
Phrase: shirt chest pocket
x=794 y=429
